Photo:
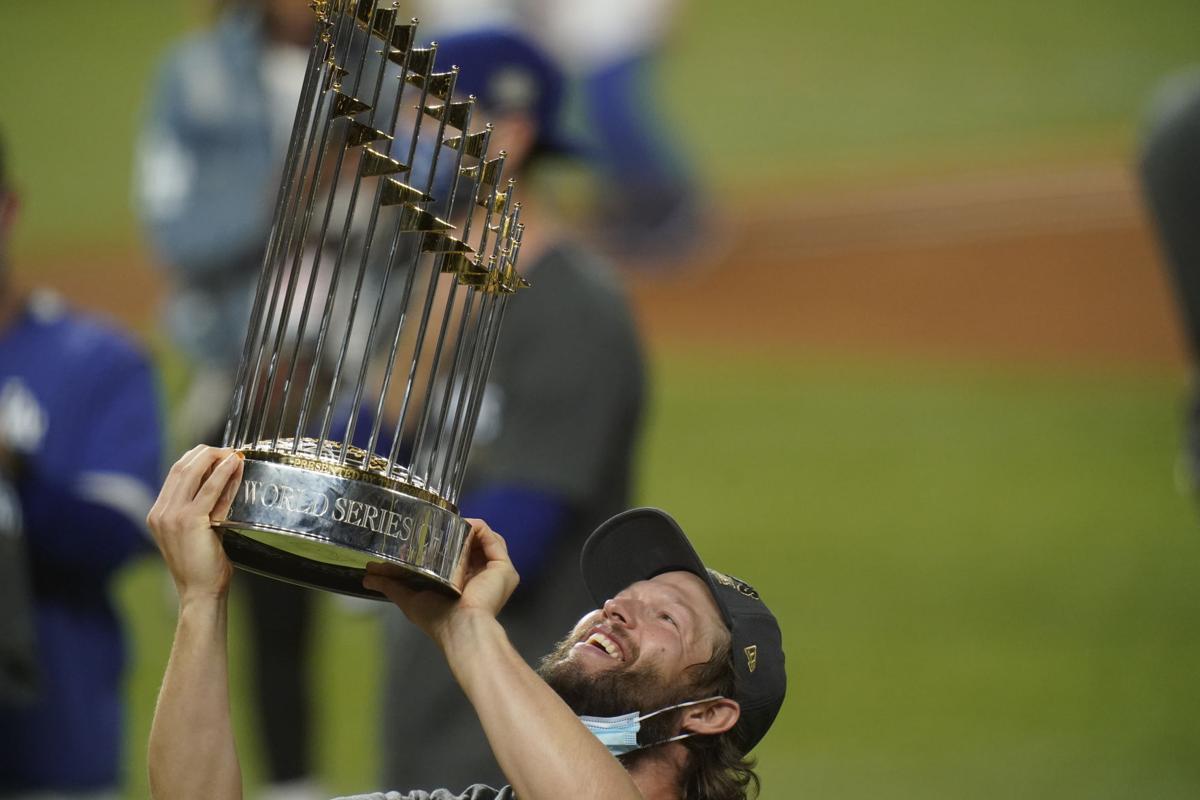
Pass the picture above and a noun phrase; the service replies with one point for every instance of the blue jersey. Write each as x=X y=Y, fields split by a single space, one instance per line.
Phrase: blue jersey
x=79 y=412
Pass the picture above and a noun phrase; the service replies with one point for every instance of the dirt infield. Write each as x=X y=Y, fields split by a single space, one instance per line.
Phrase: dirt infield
x=1049 y=267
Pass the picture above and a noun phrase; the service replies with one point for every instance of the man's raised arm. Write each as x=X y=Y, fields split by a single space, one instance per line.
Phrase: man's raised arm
x=192 y=752
x=543 y=749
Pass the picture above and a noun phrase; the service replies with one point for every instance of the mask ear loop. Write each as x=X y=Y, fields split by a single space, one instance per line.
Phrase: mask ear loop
x=672 y=708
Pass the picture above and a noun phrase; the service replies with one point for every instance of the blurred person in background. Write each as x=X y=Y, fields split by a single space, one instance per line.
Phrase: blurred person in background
x=650 y=208
x=209 y=161
x=80 y=449
x=1170 y=171
x=560 y=417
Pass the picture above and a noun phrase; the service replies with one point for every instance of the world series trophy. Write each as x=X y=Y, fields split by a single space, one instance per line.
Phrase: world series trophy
x=391 y=258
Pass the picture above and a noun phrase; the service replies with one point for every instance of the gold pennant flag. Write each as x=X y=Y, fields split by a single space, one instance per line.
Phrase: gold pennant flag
x=334 y=76
x=360 y=134
x=439 y=84
x=413 y=218
x=455 y=114
x=346 y=106
x=496 y=201
x=442 y=243
x=376 y=163
x=394 y=193
x=474 y=144
x=420 y=60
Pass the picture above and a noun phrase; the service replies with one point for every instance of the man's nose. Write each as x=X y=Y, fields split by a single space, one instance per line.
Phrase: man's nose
x=622 y=609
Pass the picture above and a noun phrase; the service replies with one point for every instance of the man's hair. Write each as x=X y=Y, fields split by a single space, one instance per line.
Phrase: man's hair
x=717 y=767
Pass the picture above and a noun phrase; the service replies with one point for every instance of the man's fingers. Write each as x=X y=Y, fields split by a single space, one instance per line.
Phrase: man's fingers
x=216 y=484
x=390 y=588
x=186 y=483
x=225 y=501
x=492 y=544
x=171 y=490
x=186 y=458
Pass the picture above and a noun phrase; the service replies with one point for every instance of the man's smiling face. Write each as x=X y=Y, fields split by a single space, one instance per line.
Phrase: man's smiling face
x=634 y=652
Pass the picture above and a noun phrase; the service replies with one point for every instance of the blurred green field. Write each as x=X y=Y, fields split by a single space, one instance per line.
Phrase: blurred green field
x=774 y=93
x=988 y=586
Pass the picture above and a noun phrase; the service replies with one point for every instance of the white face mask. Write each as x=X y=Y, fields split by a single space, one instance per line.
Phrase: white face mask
x=619 y=734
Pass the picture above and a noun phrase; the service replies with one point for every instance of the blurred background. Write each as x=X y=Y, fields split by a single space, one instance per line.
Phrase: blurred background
x=923 y=384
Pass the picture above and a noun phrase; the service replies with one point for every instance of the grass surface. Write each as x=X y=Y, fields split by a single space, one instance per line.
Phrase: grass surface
x=833 y=89
x=775 y=92
x=987 y=583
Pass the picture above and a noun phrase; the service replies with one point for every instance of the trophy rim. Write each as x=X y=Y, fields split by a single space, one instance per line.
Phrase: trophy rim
x=245 y=542
x=240 y=530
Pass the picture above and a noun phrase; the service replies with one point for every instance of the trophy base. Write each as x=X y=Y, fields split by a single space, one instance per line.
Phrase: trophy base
x=318 y=524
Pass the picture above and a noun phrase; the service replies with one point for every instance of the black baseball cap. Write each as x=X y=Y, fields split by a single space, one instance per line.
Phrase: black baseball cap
x=507 y=72
x=638 y=544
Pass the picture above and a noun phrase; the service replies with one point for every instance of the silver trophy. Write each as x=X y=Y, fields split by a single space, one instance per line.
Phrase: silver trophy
x=391 y=258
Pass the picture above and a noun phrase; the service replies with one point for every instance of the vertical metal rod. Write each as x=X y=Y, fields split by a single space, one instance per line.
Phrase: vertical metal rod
x=487 y=221
x=307 y=306
x=391 y=256
x=454 y=382
x=358 y=388
x=429 y=297
x=406 y=296
x=468 y=306
x=376 y=313
x=321 y=122
x=299 y=128
x=468 y=432
x=438 y=446
x=447 y=313
x=498 y=261
x=300 y=240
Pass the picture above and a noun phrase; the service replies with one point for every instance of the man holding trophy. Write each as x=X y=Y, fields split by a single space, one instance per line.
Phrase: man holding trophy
x=659 y=693
x=346 y=447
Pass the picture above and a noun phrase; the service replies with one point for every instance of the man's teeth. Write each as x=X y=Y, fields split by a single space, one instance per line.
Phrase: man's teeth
x=610 y=647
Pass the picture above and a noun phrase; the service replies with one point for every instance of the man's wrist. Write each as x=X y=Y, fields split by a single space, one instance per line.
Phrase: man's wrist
x=201 y=599
x=464 y=629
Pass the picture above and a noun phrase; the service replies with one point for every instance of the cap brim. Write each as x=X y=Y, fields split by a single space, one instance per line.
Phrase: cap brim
x=636 y=545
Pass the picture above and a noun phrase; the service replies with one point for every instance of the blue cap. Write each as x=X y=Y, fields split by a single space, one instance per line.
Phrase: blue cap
x=508 y=73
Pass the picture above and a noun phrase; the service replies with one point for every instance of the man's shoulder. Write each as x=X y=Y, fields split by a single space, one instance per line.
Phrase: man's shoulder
x=571 y=265
x=476 y=792
x=573 y=285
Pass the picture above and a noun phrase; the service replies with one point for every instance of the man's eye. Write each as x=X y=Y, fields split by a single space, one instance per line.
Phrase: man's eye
x=668 y=618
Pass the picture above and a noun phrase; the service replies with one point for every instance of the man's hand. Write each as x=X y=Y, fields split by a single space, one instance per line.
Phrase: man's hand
x=490 y=580
x=199 y=488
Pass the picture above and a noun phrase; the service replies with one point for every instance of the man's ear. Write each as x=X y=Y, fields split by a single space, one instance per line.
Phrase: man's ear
x=711 y=718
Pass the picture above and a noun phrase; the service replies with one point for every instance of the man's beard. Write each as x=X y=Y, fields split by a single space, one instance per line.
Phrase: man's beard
x=614 y=692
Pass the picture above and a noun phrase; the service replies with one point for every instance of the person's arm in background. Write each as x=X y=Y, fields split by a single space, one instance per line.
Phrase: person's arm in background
x=530 y=519
x=192 y=752
x=90 y=519
x=204 y=181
